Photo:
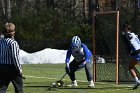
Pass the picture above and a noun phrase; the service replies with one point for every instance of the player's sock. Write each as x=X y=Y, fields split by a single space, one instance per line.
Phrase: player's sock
x=136 y=79
x=137 y=83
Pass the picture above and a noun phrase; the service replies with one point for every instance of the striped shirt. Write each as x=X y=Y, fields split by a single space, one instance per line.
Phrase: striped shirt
x=9 y=52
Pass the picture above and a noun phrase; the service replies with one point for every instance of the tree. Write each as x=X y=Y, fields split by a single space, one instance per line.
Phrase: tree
x=136 y=18
x=6 y=7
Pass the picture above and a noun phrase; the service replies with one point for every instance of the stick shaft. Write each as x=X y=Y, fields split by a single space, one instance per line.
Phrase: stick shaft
x=63 y=76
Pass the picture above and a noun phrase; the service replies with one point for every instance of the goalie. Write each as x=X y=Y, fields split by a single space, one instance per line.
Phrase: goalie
x=133 y=45
x=82 y=59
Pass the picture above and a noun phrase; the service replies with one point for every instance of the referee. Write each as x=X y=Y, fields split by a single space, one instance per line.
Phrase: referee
x=10 y=68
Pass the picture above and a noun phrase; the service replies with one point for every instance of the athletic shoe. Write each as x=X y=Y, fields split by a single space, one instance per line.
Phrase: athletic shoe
x=90 y=84
x=136 y=85
x=73 y=84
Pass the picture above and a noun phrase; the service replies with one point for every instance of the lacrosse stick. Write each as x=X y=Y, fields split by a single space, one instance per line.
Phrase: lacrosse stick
x=58 y=83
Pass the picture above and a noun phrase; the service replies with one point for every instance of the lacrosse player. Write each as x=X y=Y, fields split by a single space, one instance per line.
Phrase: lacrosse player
x=82 y=59
x=10 y=68
x=133 y=45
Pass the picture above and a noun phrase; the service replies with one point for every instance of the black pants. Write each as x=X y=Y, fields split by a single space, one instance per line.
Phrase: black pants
x=8 y=73
x=74 y=66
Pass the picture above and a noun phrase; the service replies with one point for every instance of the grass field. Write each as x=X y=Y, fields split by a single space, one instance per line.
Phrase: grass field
x=40 y=76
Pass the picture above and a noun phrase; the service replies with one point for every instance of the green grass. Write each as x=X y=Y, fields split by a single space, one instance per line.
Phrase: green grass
x=40 y=76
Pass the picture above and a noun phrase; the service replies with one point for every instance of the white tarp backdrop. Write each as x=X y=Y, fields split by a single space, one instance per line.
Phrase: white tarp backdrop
x=47 y=55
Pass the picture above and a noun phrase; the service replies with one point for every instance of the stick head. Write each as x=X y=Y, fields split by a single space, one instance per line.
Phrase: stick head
x=56 y=84
x=60 y=83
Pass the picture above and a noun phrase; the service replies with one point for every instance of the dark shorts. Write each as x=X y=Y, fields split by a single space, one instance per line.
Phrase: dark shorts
x=8 y=72
x=137 y=57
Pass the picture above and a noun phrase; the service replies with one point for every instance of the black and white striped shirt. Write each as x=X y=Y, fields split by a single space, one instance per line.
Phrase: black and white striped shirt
x=9 y=52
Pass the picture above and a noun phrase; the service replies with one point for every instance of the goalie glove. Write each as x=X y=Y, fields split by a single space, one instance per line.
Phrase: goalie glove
x=81 y=65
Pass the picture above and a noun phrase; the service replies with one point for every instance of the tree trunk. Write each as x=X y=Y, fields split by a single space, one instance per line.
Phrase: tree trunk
x=37 y=6
x=136 y=19
x=50 y=3
x=8 y=10
x=3 y=10
x=3 y=7
x=85 y=6
x=92 y=8
x=23 y=7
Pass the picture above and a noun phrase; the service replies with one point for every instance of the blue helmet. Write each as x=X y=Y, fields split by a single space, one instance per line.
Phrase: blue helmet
x=76 y=43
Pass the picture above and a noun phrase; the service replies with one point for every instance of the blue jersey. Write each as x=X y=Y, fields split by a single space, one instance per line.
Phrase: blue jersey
x=83 y=54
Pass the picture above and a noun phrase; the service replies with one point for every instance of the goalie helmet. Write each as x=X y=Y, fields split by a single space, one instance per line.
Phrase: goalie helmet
x=76 y=43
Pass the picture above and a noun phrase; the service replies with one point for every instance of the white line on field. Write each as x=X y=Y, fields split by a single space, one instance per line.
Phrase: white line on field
x=120 y=85
x=37 y=77
x=77 y=80
x=47 y=78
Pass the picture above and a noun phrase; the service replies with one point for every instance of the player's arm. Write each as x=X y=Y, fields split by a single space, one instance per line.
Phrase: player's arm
x=127 y=37
x=15 y=56
x=68 y=55
x=87 y=53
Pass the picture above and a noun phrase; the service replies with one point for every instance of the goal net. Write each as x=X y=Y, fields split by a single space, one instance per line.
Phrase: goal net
x=111 y=58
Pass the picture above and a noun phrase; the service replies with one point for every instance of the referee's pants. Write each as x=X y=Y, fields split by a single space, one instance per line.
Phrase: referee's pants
x=8 y=73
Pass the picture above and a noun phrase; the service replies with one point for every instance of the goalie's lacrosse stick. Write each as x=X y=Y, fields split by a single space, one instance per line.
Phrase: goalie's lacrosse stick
x=63 y=76
x=58 y=83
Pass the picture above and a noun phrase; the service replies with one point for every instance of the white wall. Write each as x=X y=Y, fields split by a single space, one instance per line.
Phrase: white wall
x=44 y=56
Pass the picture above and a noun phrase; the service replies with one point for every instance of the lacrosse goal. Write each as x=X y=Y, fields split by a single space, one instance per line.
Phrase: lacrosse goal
x=108 y=45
